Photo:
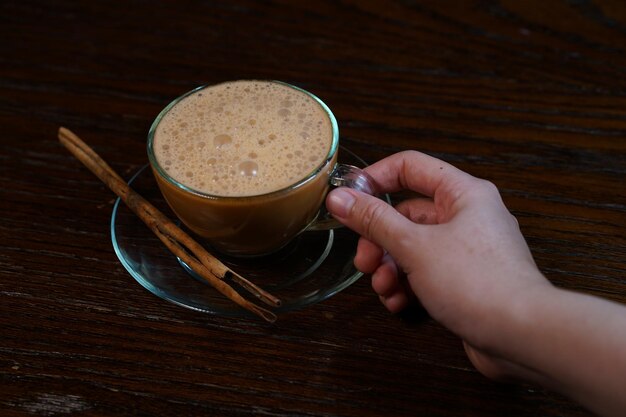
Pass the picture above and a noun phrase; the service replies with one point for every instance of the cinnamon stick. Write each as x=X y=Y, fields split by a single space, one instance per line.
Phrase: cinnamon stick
x=176 y=240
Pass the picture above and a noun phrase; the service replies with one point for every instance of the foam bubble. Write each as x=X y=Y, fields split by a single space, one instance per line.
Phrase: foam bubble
x=222 y=140
x=248 y=168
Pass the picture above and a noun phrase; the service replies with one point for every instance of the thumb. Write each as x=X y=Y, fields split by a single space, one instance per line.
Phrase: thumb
x=370 y=217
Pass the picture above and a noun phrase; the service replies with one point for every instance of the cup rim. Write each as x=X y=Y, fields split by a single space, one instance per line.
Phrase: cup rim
x=309 y=177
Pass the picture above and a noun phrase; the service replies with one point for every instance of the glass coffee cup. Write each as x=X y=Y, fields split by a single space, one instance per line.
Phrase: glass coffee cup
x=246 y=165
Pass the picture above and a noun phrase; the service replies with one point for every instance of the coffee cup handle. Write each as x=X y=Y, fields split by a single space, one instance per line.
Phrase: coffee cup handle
x=344 y=176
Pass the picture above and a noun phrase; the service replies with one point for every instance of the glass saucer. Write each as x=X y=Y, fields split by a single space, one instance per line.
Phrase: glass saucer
x=310 y=269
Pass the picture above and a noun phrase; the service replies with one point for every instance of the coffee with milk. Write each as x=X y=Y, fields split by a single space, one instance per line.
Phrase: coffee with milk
x=245 y=164
x=243 y=138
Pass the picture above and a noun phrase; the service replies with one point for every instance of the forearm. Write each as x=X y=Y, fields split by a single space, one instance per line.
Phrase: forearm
x=576 y=343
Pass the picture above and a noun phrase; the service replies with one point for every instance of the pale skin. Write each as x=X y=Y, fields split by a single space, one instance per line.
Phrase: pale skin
x=460 y=253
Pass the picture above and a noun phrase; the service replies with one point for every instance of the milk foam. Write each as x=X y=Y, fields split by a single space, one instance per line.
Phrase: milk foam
x=243 y=138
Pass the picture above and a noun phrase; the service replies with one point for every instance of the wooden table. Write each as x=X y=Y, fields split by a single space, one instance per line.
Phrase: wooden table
x=530 y=95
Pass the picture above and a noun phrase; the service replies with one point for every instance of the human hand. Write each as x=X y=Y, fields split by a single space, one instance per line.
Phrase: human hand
x=461 y=253
x=459 y=248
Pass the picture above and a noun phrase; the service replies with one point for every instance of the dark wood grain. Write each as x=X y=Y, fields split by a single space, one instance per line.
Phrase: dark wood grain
x=530 y=95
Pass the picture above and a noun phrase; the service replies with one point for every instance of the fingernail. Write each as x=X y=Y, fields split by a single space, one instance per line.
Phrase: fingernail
x=340 y=202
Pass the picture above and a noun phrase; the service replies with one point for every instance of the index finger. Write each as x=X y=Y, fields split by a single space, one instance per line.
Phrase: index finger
x=415 y=171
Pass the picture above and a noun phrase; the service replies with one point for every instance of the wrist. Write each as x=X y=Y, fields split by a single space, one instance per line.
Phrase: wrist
x=508 y=342
x=514 y=324
x=567 y=341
